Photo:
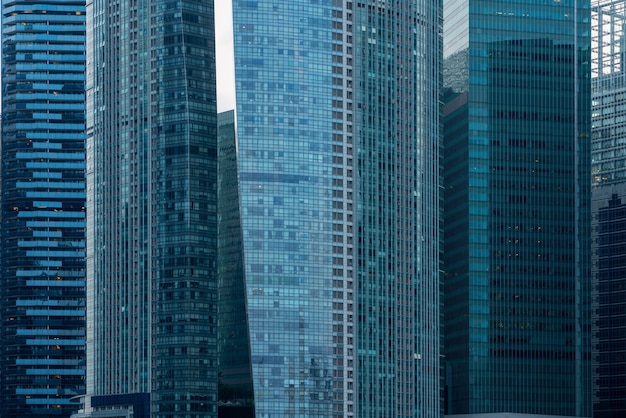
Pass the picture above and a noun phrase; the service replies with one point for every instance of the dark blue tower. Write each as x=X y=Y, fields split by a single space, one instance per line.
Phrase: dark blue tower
x=43 y=207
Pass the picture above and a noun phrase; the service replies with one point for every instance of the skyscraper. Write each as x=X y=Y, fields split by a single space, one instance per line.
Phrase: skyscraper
x=517 y=207
x=152 y=198
x=609 y=206
x=235 y=381
x=609 y=255
x=43 y=207
x=338 y=155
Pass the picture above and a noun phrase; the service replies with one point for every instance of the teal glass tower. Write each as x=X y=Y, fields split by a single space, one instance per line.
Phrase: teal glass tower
x=42 y=286
x=338 y=159
x=517 y=207
x=152 y=219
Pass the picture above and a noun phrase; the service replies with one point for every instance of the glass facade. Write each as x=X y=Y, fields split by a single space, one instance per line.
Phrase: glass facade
x=609 y=262
x=233 y=346
x=43 y=207
x=517 y=212
x=338 y=157
x=396 y=65
x=296 y=217
x=608 y=151
x=152 y=197
x=608 y=156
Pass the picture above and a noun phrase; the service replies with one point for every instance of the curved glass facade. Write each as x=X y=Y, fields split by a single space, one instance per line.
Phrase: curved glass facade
x=338 y=141
x=43 y=207
x=293 y=185
x=517 y=256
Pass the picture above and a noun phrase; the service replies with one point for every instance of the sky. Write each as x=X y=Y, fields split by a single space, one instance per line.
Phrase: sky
x=224 y=55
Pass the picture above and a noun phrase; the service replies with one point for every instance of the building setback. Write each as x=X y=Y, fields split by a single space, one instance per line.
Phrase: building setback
x=517 y=207
x=338 y=157
x=152 y=198
x=42 y=290
x=609 y=206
